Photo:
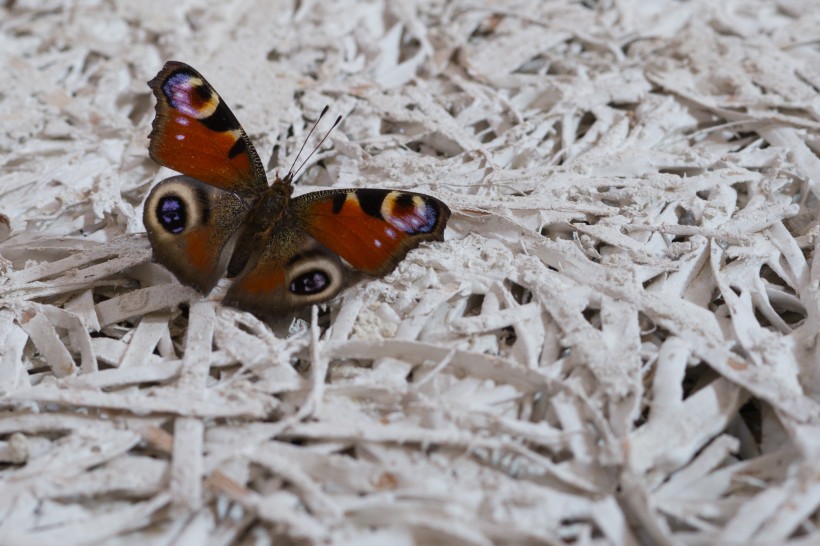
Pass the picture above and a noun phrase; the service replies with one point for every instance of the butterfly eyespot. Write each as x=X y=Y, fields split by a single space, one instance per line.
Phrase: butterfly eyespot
x=203 y=92
x=190 y=95
x=172 y=214
x=409 y=213
x=311 y=282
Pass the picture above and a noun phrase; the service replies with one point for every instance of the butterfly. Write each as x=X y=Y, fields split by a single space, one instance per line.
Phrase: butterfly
x=220 y=217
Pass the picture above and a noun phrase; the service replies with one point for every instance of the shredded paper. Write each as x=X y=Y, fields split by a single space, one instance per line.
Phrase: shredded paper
x=617 y=343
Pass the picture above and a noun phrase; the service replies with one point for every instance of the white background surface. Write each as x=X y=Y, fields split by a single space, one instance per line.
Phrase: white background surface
x=616 y=344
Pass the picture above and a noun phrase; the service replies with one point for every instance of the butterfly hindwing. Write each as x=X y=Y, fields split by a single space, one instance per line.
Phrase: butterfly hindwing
x=195 y=133
x=189 y=224
x=371 y=229
x=291 y=272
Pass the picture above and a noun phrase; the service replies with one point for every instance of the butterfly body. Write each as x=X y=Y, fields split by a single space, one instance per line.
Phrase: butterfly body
x=221 y=217
x=266 y=215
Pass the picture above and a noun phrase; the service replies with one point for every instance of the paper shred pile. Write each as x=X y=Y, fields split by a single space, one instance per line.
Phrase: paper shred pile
x=618 y=343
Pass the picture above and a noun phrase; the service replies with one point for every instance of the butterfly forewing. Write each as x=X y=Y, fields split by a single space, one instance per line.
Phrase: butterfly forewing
x=195 y=133
x=371 y=229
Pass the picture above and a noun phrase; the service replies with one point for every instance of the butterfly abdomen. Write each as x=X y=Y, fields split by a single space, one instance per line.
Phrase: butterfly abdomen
x=268 y=214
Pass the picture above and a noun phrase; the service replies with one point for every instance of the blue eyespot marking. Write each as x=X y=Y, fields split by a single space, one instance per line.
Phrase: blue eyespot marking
x=419 y=219
x=425 y=222
x=309 y=283
x=172 y=214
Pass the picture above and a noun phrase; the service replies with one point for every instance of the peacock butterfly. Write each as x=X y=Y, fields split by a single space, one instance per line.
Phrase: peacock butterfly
x=221 y=216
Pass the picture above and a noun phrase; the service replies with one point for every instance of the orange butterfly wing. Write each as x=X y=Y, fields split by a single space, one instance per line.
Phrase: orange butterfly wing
x=291 y=272
x=195 y=133
x=371 y=229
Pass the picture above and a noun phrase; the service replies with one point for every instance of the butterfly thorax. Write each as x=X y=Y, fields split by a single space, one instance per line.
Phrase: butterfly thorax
x=267 y=213
x=269 y=209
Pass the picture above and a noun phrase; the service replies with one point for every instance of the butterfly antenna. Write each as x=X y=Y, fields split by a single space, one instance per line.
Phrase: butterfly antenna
x=304 y=142
x=335 y=123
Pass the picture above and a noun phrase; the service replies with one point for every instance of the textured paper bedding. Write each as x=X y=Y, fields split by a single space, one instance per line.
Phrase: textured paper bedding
x=617 y=342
